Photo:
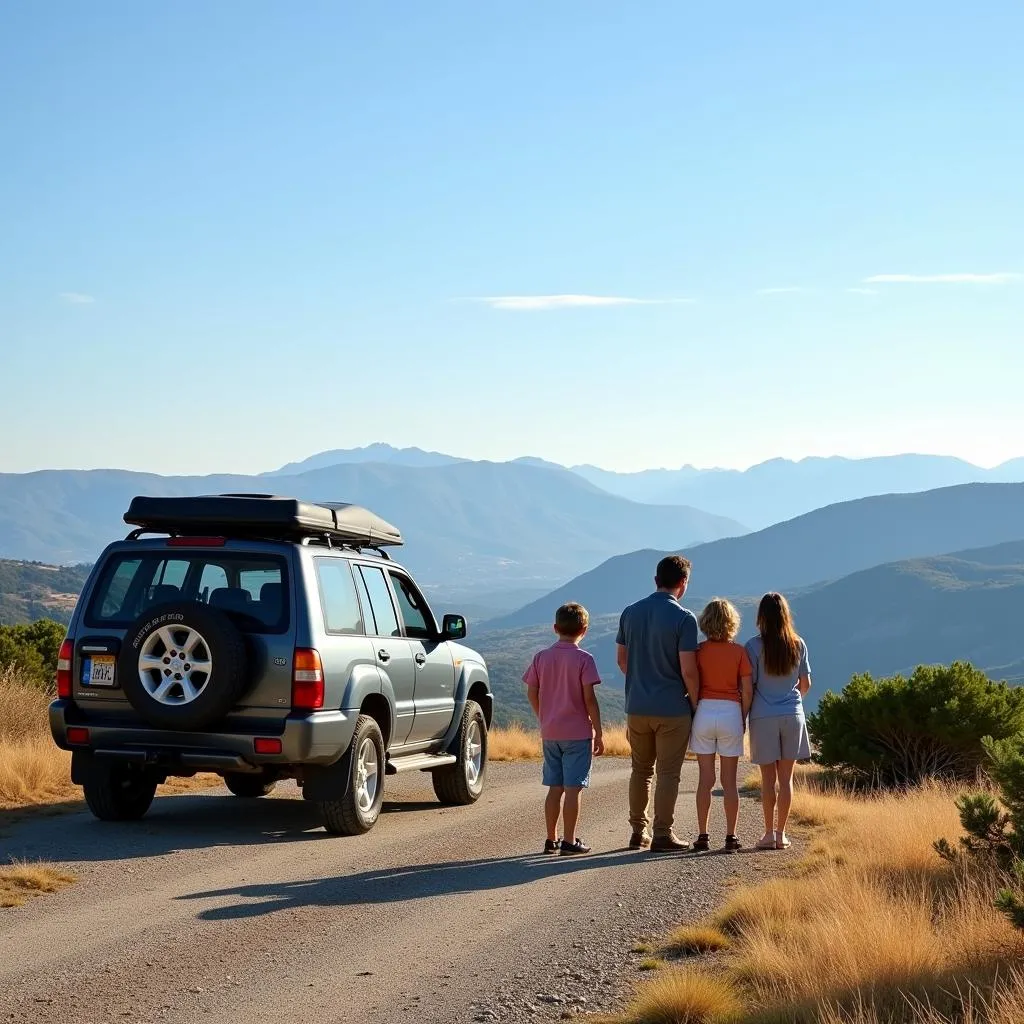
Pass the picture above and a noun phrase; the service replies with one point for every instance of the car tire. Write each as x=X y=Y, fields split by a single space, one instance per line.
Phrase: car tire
x=249 y=786
x=217 y=643
x=357 y=810
x=463 y=782
x=118 y=792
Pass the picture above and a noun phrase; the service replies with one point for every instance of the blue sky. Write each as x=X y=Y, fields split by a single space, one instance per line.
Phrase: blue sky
x=235 y=233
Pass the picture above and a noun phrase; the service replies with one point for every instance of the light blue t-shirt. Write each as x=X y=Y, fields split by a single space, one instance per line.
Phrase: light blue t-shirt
x=775 y=695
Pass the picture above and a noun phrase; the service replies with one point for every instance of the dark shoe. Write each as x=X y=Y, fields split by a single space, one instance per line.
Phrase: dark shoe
x=732 y=844
x=571 y=849
x=551 y=845
x=639 y=841
x=668 y=844
x=703 y=842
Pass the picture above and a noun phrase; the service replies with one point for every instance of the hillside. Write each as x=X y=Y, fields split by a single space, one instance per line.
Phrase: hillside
x=823 y=545
x=469 y=526
x=32 y=590
x=887 y=619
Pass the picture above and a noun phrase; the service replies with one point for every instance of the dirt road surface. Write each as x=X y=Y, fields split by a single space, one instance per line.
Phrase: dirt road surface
x=240 y=912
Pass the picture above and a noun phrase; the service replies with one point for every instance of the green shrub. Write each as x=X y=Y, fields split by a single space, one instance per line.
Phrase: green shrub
x=898 y=731
x=995 y=828
x=32 y=649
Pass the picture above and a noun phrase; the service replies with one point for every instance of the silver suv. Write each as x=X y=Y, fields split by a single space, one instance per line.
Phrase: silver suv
x=265 y=638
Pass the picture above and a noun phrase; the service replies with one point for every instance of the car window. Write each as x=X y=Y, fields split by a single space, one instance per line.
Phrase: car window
x=115 y=587
x=412 y=607
x=379 y=593
x=213 y=578
x=338 y=596
x=248 y=589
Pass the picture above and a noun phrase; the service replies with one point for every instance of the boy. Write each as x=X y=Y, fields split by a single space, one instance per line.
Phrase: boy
x=560 y=684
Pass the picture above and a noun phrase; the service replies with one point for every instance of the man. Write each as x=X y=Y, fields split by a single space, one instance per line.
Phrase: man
x=657 y=652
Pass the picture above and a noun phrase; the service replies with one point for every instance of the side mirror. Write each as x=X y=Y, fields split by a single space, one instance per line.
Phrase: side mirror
x=454 y=627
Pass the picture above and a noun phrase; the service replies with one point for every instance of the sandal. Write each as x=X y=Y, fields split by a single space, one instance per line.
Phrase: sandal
x=766 y=842
x=703 y=843
x=732 y=843
x=783 y=843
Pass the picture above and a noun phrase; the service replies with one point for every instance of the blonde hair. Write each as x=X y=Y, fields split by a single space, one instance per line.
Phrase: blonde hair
x=572 y=620
x=720 y=620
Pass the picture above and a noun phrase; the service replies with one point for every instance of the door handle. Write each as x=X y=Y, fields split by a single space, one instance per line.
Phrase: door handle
x=421 y=659
x=383 y=655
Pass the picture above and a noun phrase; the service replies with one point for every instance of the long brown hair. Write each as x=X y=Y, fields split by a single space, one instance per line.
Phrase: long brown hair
x=779 y=640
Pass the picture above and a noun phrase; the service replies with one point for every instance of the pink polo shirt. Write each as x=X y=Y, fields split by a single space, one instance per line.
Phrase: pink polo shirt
x=560 y=672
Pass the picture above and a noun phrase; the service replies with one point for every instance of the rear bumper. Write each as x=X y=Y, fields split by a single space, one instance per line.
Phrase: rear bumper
x=316 y=739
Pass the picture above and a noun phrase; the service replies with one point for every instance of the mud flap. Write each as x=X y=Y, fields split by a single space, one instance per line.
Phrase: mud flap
x=328 y=782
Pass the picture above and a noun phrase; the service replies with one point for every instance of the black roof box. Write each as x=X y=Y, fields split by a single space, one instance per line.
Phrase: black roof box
x=262 y=515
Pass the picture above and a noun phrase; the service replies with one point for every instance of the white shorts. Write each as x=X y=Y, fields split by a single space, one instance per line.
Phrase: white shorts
x=717 y=728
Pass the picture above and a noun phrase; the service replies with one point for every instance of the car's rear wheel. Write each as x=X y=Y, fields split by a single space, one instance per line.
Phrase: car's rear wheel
x=117 y=792
x=357 y=810
x=249 y=786
x=463 y=782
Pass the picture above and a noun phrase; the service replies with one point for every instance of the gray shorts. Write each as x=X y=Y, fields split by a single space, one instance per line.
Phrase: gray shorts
x=779 y=738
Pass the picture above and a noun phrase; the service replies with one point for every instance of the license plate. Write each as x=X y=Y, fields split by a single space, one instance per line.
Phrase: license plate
x=98 y=670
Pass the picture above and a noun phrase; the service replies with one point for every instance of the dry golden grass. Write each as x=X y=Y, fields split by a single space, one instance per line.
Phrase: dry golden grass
x=517 y=743
x=34 y=771
x=684 y=997
x=21 y=880
x=651 y=963
x=696 y=938
x=872 y=927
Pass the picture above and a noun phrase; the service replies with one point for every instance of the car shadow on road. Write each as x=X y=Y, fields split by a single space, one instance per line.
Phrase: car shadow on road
x=177 y=823
x=402 y=884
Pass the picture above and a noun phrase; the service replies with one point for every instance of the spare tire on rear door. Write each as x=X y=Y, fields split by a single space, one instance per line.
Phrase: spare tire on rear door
x=183 y=665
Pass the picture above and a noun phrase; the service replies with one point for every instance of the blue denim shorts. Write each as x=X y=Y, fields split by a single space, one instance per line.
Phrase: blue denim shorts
x=567 y=762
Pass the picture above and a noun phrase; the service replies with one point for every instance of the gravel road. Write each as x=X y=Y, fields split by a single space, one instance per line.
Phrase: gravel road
x=218 y=909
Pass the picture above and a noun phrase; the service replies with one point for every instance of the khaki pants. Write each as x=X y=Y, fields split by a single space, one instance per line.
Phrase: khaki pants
x=659 y=742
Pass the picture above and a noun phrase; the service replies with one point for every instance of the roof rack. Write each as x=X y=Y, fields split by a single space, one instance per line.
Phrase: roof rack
x=263 y=516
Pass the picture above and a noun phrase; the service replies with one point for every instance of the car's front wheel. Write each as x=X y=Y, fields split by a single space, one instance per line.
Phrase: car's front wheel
x=463 y=782
x=357 y=810
x=116 y=792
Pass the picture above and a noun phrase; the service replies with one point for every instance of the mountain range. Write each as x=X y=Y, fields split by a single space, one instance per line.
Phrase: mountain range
x=469 y=526
x=767 y=493
x=820 y=546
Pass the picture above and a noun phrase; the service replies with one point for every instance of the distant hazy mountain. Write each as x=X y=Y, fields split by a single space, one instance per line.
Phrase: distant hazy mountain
x=645 y=485
x=764 y=494
x=382 y=453
x=822 y=545
x=475 y=526
x=774 y=491
x=884 y=620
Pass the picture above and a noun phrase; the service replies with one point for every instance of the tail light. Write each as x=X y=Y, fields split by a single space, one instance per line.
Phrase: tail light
x=65 y=660
x=307 y=680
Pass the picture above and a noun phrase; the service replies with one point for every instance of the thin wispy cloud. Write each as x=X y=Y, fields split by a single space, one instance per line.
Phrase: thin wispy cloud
x=863 y=291
x=1003 y=277
x=76 y=298
x=781 y=291
x=524 y=303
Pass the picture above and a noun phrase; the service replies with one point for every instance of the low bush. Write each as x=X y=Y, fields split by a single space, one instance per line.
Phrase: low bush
x=32 y=650
x=994 y=828
x=898 y=731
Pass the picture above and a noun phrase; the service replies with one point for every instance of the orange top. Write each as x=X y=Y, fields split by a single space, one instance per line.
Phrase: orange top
x=721 y=665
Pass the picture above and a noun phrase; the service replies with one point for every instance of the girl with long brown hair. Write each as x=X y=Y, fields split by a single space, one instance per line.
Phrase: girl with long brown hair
x=778 y=729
